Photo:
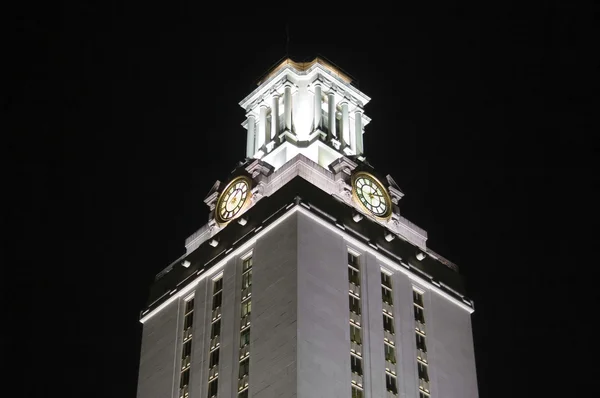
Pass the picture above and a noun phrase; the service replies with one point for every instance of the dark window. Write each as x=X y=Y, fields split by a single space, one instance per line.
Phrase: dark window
x=354 y=305
x=390 y=383
x=355 y=334
x=243 y=394
x=214 y=358
x=388 y=324
x=353 y=260
x=423 y=374
x=356 y=365
x=386 y=280
x=419 y=314
x=187 y=349
x=423 y=395
x=188 y=321
x=390 y=353
x=215 y=329
x=247 y=279
x=418 y=298
x=245 y=338
x=213 y=388
x=216 y=301
x=218 y=285
x=421 y=343
x=244 y=367
x=246 y=308
x=247 y=264
x=386 y=295
x=354 y=276
x=185 y=378
x=356 y=392
x=189 y=305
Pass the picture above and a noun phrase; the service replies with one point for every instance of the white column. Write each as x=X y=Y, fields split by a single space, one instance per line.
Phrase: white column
x=331 y=111
x=317 y=110
x=358 y=132
x=251 y=139
x=275 y=117
x=345 y=123
x=262 y=126
x=287 y=106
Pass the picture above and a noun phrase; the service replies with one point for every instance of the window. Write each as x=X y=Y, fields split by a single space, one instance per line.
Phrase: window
x=419 y=314
x=421 y=342
x=215 y=329
x=386 y=280
x=187 y=349
x=386 y=295
x=357 y=392
x=218 y=285
x=247 y=279
x=213 y=388
x=388 y=324
x=217 y=301
x=354 y=305
x=423 y=373
x=419 y=311
x=214 y=358
x=355 y=334
x=418 y=298
x=390 y=353
x=185 y=378
x=245 y=338
x=189 y=306
x=356 y=365
x=353 y=276
x=246 y=308
x=247 y=264
x=188 y=321
x=353 y=260
x=217 y=293
x=390 y=383
x=244 y=367
x=355 y=331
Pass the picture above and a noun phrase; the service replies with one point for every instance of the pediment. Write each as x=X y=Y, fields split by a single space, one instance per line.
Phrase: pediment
x=212 y=195
x=395 y=191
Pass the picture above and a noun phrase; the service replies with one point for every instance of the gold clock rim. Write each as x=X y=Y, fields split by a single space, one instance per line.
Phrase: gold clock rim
x=388 y=199
x=220 y=200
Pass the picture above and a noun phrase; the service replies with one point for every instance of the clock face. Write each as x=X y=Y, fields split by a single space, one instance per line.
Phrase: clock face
x=371 y=195
x=233 y=199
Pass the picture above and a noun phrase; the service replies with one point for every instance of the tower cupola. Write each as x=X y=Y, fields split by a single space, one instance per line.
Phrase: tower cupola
x=308 y=108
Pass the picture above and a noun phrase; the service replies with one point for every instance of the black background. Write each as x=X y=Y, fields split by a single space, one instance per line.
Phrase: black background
x=121 y=117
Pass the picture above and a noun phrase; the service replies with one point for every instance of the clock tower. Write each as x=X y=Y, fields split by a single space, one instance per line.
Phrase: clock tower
x=306 y=280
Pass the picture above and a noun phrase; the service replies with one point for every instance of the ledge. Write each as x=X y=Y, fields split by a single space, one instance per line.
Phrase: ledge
x=330 y=212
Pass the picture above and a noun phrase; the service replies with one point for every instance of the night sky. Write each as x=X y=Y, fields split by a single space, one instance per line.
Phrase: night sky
x=122 y=117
